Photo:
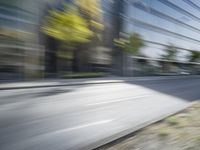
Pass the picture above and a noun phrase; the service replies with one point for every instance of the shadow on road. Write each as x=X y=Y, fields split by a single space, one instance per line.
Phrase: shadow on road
x=187 y=89
x=52 y=92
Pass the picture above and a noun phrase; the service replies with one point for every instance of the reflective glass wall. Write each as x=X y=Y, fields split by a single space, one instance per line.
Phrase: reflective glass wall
x=165 y=25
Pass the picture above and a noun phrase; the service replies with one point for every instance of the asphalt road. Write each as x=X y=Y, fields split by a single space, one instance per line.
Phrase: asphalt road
x=82 y=117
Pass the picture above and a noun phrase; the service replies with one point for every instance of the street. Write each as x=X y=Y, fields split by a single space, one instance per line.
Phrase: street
x=85 y=116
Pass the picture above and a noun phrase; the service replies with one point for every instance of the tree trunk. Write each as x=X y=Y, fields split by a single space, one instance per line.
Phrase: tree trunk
x=75 y=60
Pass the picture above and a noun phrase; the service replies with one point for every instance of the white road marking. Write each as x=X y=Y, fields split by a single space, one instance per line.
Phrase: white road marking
x=46 y=135
x=85 y=125
x=119 y=100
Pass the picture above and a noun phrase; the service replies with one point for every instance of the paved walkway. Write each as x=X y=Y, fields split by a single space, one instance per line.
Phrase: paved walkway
x=86 y=116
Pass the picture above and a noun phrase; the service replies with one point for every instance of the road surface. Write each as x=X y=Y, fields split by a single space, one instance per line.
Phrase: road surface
x=86 y=116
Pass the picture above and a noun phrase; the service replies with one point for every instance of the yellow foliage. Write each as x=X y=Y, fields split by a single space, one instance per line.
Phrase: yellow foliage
x=96 y=25
x=67 y=26
x=90 y=7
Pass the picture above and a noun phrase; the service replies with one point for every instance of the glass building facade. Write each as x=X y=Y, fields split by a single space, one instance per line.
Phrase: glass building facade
x=163 y=22
x=26 y=52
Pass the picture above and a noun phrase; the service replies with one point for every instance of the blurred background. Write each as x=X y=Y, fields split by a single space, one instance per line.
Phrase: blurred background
x=92 y=38
x=49 y=42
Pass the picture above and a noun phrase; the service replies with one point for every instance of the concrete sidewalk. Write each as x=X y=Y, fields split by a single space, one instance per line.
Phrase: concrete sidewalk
x=73 y=82
x=86 y=117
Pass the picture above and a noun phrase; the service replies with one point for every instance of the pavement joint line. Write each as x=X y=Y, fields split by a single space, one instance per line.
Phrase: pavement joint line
x=85 y=125
x=120 y=100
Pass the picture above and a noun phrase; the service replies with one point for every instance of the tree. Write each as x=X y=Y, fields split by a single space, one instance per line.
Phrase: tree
x=75 y=26
x=92 y=12
x=132 y=45
x=67 y=26
x=195 y=56
x=70 y=28
x=171 y=52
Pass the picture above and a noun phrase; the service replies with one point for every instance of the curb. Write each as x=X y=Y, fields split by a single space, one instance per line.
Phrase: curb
x=9 y=86
x=55 y=85
x=121 y=135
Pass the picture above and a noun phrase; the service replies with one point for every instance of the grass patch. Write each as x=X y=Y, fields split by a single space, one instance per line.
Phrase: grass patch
x=163 y=133
x=173 y=120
